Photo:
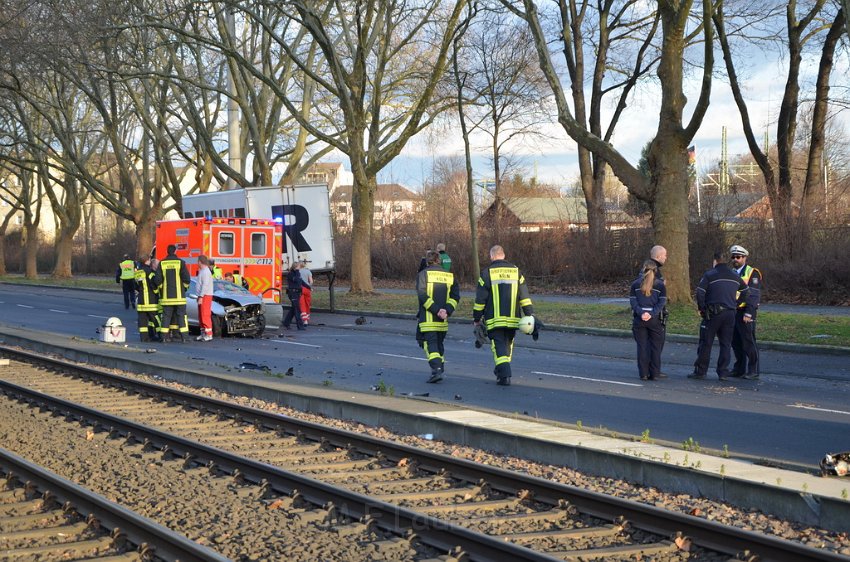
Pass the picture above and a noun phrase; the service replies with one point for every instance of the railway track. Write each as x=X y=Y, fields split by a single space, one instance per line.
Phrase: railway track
x=45 y=517
x=472 y=511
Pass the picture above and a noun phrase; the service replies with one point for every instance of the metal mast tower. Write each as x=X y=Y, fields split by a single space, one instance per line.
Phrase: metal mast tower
x=724 y=164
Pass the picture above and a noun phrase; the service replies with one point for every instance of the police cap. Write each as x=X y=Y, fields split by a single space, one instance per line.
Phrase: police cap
x=737 y=250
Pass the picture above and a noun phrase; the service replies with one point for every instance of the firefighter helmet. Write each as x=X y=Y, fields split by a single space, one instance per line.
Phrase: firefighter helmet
x=113 y=322
x=526 y=324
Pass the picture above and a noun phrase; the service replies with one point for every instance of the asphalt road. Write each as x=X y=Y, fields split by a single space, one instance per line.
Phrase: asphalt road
x=798 y=411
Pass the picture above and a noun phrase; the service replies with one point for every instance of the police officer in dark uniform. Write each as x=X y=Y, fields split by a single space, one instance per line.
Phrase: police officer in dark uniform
x=647 y=297
x=718 y=294
x=744 y=340
x=500 y=296
x=438 y=297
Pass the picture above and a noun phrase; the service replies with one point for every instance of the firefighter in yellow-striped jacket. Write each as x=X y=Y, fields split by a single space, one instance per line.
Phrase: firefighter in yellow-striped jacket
x=438 y=298
x=148 y=301
x=501 y=298
x=173 y=278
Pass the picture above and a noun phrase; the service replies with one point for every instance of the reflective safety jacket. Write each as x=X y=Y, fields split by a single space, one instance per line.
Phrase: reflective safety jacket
x=126 y=271
x=445 y=261
x=146 y=285
x=752 y=278
x=173 y=278
x=436 y=289
x=501 y=296
x=217 y=273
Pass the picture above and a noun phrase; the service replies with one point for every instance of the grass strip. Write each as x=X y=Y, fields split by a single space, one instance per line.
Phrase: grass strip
x=772 y=326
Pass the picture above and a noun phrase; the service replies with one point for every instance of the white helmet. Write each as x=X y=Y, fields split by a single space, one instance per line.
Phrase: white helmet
x=113 y=322
x=526 y=324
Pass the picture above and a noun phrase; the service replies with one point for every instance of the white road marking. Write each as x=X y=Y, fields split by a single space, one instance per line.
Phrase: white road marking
x=296 y=343
x=584 y=378
x=403 y=356
x=802 y=407
x=59 y=311
x=96 y=316
x=25 y=306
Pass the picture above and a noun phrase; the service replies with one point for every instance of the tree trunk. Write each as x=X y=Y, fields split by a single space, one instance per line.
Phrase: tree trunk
x=668 y=158
x=596 y=214
x=669 y=168
x=467 y=153
x=145 y=233
x=814 y=199
x=31 y=252
x=363 y=207
x=64 y=254
x=3 y=254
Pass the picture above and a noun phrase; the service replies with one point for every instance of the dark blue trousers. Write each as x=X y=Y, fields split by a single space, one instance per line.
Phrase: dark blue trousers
x=745 y=347
x=650 y=342
x=723 y=326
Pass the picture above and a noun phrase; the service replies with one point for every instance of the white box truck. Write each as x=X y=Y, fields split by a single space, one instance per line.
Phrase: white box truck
x=305 y=211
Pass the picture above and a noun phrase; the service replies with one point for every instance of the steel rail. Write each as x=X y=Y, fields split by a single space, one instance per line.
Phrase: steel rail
x=168 y=544
x=709 y=534
x=398 y=520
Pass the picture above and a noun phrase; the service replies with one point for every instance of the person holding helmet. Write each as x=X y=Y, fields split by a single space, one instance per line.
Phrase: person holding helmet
x=148 y=301
x=648 y=297
x=438 y=297
x=744 y=338
x=500 y=299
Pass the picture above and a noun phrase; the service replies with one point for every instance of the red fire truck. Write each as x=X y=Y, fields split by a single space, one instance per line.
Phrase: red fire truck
x=249 y=247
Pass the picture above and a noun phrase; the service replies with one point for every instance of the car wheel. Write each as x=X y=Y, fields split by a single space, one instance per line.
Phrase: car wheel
x=261 y=326
x=217 y=326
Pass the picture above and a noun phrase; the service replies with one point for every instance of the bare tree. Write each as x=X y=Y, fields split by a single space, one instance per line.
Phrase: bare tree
x=460 y=80
x=12 y=209
x=254 y=54
x=620 y=35
x=383 y=60
x=800 y=31
x=24 y=193
x=666 y=190
x=504 y=85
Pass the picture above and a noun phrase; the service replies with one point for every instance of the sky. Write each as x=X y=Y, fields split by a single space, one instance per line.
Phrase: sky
x=554 y=159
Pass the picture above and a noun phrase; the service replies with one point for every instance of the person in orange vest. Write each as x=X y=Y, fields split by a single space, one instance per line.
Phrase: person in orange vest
x=126 y=275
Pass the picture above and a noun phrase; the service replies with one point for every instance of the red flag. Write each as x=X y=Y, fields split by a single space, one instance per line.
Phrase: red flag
x=692 y=154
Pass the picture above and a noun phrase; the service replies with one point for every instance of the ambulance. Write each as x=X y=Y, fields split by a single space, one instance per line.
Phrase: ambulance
x=249 y=247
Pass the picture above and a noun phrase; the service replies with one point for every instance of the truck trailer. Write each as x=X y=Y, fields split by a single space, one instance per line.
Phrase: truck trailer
x=303 y=209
